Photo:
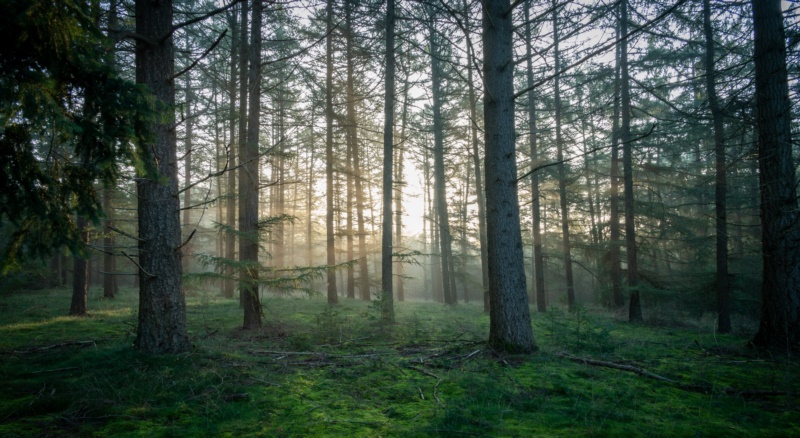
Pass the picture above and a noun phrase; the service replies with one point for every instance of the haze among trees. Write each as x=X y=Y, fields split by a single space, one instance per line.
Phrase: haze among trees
x=628 y=158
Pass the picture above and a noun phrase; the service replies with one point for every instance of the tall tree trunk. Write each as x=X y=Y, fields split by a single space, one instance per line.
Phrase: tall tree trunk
x=476 y=162
x=400 y=182
x=80 y=273
x=388 y=143
x=439 y=195
x=509 y=314
x=562 y=174
x=249 y=183
x=614 y=253
x=533 y=137
x=720 y=179
x=244 y=58
x=162 y=308
x=230 y=203
x=635 y=309
x=330 y=237
x=780 y=219
x=351 y=142
x=187 y=171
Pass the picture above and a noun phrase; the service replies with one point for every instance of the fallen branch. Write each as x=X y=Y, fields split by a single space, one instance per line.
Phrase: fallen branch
x=684 y=386
x=62 y=344
x=56 y=370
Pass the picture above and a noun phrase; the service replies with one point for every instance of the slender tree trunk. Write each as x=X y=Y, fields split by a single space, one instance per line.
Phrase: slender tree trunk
x=388 y=143
x=162 y=309
x=562 y=174
x=509 y=315
x=110 y=283
x=80 y=273
x=249 y=183
x=635 y=309
x=780 y=219
x=442 y=216
x=230 y=203
x=400 y=182
x=476 y=162
x=721 y=183
x=310 y=196
x=352 y=138
x=533 y=137
x=330 y=236
x=244 y=58
x=614 y=253
x=187 y=172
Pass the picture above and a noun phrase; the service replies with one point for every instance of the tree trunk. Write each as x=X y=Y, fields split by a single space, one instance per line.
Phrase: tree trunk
x=110 y=283
x=614 y=253
x=249 y=183
x=510 y=319
x=398 y=202
x=162 y=309
x=351 y=143
x=476 y=162
x=80 y=273
x=387 y=306
x=635 y=309
x=230 y=203
x=243 y=93
x=187 y=172
x=562 y=174
x=440 y=197
x=780 y=288
x=721 y=183
x=330 y=237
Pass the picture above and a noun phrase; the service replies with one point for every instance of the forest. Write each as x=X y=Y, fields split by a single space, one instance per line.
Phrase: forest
x=399 y=218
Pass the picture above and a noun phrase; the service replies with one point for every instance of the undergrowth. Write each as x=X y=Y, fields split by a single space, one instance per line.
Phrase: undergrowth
x=317 y=370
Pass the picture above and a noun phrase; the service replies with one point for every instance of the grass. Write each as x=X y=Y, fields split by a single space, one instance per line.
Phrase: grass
x=316 y=370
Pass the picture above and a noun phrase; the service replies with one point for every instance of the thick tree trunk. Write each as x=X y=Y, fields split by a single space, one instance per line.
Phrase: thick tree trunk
x=635 y=309
x=330 y=237
x=249 y=184
x=720 y=179
x=476 y=163
x=510 y=319
x=387 y=297
x=80 y=273
x=533 y=137
x=162 y=309
x=780 y=219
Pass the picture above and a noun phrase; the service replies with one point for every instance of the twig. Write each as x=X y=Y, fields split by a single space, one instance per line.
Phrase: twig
x=138 y=265
x=62 y=344
x=56 y=370
x=191 y=66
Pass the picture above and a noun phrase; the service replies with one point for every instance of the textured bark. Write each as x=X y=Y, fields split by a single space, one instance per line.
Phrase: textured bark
x=249 y=183
x=720 y=179
x=635 y=309
x=229 y=285
x=80 y=273
x=538 y=256
x=330 y=237
x=387 y=297
x=562 y=174
x=780 y=219
x=162 y=308
x=439 y=195
x=510 y=319
x=476 y=163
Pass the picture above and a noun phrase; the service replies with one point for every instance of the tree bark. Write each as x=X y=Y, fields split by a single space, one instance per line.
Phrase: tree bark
x=110 y=283
x=720 y=179
x=476 y=163
x=387 y=305
x=162 y=309
x=538 y=257
x=352 y=138
x=330 y=237
x=562 y=174
x=510 y=319
x=780 y=219
x=635 y=309
x=249 y=183
x=614 y=251
x=80 y=273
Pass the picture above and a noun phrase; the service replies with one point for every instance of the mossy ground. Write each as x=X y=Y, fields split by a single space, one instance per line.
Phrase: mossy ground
x=320 y=371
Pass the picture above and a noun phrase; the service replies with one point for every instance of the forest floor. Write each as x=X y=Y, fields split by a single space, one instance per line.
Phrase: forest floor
x=316 y=370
